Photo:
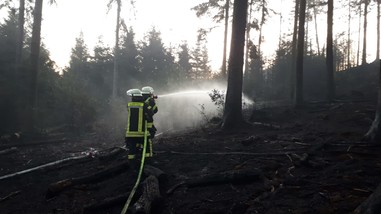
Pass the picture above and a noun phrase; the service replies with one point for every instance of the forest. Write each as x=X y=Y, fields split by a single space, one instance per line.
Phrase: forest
x=297 y=132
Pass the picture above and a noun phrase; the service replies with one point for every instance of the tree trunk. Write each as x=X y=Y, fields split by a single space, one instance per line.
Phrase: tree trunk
x=378 y=30
x=223 y=67
x=280 y=26
x=316 y=28
x=116 y=52
x=20 y=35
x=359 y=37
x=374 y=133
x=248 y=28
x=349 y=37
x=293 y=52
x=34 y=62
x=329 y=60
x=306 y=31
x=260 y=36
x=233 y=105
x=299 y=58
x=363 y=60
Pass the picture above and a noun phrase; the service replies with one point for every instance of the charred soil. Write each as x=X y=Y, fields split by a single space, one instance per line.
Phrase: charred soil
x=307 y=160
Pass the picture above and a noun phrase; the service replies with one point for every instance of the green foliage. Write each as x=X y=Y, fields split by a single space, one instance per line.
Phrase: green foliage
x=129 y=65
x=10 y=85
x=200 y=60
x=185 y=66
x=155 y=60
x=211 y=8
x=218 y=99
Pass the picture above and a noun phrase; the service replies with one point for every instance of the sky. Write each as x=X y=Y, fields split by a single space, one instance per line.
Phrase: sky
x=63 y=22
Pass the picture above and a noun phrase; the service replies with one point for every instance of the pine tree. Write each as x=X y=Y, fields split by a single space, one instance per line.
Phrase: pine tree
x=184 y=62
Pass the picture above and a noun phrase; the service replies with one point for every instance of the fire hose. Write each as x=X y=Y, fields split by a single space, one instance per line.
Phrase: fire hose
x=127 y=204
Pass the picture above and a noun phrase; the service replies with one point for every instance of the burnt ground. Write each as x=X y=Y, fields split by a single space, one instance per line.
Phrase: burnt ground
x=308 y=160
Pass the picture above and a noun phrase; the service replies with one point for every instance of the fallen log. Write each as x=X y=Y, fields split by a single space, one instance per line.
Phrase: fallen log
x=43 y=166
x=150 y=196
x=57 y=187
x=150 y=189
x=372 y=205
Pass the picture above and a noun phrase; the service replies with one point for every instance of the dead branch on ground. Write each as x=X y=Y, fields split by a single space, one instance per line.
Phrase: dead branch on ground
x=43 y=166
x=8 y=151
x=9 y=195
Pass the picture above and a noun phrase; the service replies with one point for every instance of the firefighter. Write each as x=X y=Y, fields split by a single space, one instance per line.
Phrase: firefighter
x=149 y=99
x=136 y=126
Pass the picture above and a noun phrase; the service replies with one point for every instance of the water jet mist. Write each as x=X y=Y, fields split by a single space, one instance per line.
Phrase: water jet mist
x=186 y=109
x=184 y=93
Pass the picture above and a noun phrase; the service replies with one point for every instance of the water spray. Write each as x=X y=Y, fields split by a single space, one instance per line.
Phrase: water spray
x=184 y=93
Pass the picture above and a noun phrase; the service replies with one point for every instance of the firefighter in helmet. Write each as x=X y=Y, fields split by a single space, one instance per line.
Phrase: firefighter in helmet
x=149 y=99
x=136 y=131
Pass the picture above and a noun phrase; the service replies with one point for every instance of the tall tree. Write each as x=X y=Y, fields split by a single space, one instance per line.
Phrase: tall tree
x=222 y=8
x=154 y=59
x=223 y=67
x=264 y=13
x=349 y=36
x=128 y=60
x=366 y=4
x=20 y=35
x=200 y=58
x=184 y=62
x=232 y=116
x=315 y=12
x=378 y=30
x=292 y=73
x=100 y=74
x=79 y=59
x=116 y=47
x=34 y=62
x=374 y=133
x=8 y=83
x=299 y=57
x=359 y=36
x=329 y=60
x=248 y=28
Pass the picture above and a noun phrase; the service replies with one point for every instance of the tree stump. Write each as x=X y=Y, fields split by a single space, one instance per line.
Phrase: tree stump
x=150 y=196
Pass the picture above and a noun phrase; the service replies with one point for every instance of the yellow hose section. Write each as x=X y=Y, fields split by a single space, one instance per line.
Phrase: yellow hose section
x=127 y=204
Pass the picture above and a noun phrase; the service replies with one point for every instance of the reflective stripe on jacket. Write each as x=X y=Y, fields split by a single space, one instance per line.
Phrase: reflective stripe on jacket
x=135 y=124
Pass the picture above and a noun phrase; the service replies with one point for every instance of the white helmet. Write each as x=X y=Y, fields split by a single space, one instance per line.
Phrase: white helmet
x=147 y=90
x=134 y=92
